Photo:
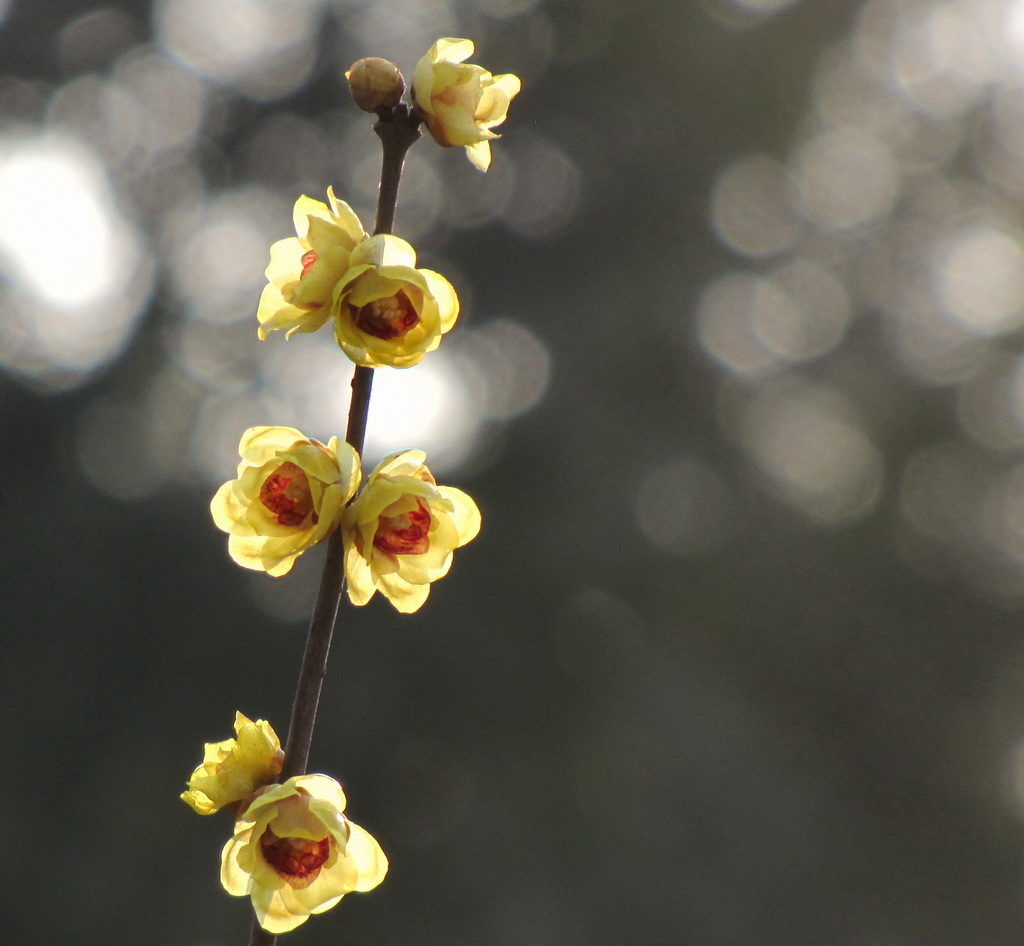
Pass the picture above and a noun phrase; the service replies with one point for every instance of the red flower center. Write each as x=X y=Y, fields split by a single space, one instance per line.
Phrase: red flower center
x=308 y=259
x=387 y=318
x=407 y=534
x=296 y=860
x=287 y=495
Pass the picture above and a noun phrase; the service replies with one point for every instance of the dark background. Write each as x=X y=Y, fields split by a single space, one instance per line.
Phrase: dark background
x=737 y=656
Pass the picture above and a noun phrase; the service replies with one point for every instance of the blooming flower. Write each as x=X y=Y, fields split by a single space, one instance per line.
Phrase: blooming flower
x=294 y=853
x=387 y=312
x=233 y=769
x=401 y=531
x=289 y=495
x=461 y=102
x=304 y=270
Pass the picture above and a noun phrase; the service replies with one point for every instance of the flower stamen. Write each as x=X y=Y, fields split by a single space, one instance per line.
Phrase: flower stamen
x=404 y=534
x=387 y=318
x=297 y=861
x=287 y=495
x=307 y=261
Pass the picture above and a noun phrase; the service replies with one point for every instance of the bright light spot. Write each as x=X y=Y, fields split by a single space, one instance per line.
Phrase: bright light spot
x=308 y=384
x=685 y=507
x=981 y=280
x=937 y=349
x=941 y=58
x=219 y=251
x=845 y=179
x=406 y=28
x=546 y=188
x=815 y=321
x=170 y=101
x=56 y=226
x=265 y=47
x=987 y=405
x=1014 y=28
x=78 y=275
x=743 y=14
x=764 y=6
x=750 y=207
x=728 y=313
x=816 y=457
x=427 y=407
x=471 y=200
x=509 y=368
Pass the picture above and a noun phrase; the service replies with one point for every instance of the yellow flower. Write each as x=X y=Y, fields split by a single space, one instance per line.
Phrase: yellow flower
x=461 y=102
x=400 y=533
x=387 y=312
x=289 y=495
x=295 y=853
x=233 y=769
x=304 y=270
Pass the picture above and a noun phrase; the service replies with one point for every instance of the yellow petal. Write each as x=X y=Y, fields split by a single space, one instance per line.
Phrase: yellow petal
x=384 y=249
x=346 y=218
x=348 y=465
x=323 y=788
x=400 y=463
x=260 y=444
x=466 y=513
x=444 y=295
x=406 y=597
x=358 y=577
x=479 y=155
x=304 y=208
x=450 y=49
x=370 y=860
x=252 y=552
x=509 y=84
x=272 y=913
x=235 y=881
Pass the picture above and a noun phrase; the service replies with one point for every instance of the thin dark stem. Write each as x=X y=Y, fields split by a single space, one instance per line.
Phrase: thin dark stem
x=397 y=132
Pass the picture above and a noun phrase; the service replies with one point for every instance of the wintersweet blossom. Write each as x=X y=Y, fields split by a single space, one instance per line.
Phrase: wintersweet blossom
x=401 y=532
x=233 y=769
x=304 y=270
x=289 y=495
x=294 y=853
x=459 y=101
x=387 y=312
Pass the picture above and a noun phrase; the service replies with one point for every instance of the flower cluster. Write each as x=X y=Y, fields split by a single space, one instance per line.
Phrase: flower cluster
x=293 y=851
x=386 y=312
x=291 y=492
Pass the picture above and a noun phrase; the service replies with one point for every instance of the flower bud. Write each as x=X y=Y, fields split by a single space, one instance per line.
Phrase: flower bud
x=375 y=83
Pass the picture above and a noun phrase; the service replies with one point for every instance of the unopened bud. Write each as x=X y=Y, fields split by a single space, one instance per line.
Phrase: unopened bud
x=375 y=83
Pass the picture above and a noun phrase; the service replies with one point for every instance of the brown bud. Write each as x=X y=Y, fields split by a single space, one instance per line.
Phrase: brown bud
x=375 y=83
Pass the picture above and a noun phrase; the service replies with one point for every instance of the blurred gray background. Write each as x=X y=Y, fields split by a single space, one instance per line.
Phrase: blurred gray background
x=739 y=387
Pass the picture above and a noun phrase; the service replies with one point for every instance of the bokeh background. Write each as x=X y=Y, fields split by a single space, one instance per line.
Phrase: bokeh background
x=739 y=386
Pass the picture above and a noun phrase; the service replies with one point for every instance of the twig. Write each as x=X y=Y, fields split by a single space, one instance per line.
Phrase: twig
x=397 y=131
